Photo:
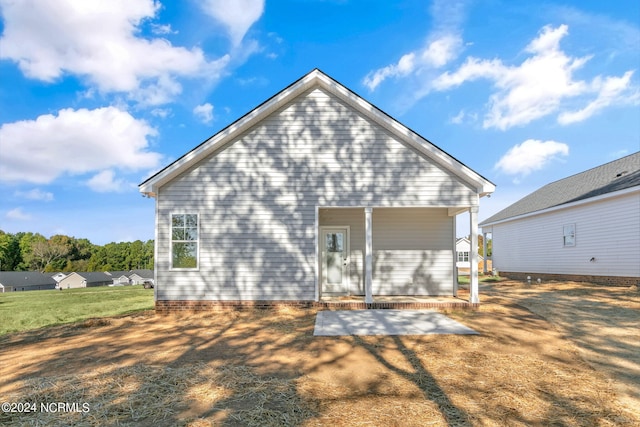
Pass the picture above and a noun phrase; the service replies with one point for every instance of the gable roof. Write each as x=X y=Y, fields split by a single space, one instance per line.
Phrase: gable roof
x=614 y=176
x=25 y=278
x=96 y=277
x=316 y=79
x=143 y=273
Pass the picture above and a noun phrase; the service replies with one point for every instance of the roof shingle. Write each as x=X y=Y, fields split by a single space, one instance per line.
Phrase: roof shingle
x=613 y=176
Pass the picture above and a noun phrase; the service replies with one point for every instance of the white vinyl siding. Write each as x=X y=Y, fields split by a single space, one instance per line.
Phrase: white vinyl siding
x=257 y=200
x=607 y=231
x=412 y=252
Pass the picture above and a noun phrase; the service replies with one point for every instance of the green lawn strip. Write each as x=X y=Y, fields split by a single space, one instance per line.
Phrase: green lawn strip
x=22 y=311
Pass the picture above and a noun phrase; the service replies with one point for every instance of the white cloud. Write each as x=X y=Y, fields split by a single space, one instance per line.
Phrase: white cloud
x=204 y=112
x=105 y=182
x=539 y=85
x=74 y=142
x=442 y=45
x=435 y=54
x=609 y=92
x=163 y=113
x=17 y=214
x=237 y=16
x=530 y=156
x=35 y=194
x=100 y=41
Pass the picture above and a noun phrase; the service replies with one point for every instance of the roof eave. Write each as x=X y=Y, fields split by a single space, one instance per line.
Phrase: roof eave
x=610 y=195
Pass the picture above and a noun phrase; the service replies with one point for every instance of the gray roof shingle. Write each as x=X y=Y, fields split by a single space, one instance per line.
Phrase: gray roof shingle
x=25 y=278
x=613 y=176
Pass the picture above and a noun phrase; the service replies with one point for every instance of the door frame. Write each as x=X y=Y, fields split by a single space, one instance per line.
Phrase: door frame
x=347 y=267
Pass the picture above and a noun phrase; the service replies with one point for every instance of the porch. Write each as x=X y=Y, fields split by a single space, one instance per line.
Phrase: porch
x=391 y=257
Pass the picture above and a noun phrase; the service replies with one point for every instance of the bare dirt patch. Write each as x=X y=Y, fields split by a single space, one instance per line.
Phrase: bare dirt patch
x=266 y=368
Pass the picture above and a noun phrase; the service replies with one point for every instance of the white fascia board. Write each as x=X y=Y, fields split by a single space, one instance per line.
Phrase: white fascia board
x=606 y=196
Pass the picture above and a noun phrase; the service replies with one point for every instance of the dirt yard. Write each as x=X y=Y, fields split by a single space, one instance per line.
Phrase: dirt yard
x=555 y=354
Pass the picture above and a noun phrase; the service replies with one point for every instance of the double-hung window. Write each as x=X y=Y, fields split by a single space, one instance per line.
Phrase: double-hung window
x=463 y=256
x=184 y=241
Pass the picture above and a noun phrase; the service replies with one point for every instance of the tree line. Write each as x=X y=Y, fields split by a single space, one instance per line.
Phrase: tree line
x=26 y=251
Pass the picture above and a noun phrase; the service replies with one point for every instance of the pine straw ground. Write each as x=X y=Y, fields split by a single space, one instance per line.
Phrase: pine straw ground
x=265 y=368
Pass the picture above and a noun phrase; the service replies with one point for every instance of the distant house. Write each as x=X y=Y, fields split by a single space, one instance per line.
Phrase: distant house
x=463 y=254
x=57 y=277
x=316 y=192
x=85 y=280
x=25 y=281
x=585 y=227
x=119 y=277
x=138 y=277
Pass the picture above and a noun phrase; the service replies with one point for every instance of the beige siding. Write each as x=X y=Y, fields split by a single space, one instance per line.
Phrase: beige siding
x=257 y=199
x=607 y=230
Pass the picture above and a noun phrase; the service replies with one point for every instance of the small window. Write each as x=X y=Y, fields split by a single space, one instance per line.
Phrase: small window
x=569 y=235
x=463 y=256
x=184 y=241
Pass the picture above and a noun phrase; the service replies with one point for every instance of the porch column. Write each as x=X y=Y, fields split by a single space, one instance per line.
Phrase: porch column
x=368 y=256
x=484 y=251
x=473 y=256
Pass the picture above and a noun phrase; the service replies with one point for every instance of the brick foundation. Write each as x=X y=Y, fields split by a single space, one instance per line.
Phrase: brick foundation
x=600 y=280
x=182 y=306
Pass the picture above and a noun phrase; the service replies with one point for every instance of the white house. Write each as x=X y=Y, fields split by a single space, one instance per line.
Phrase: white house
x=585 y=227
x=463 y=255
x=315 y=192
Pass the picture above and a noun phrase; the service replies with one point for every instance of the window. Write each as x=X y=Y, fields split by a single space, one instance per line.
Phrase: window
x=569 y=235
x=463 y=256
x=184 y=241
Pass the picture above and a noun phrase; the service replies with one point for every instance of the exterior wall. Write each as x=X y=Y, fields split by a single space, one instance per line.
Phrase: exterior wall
x=72 y=281
x=257 y=199
x=412 y=252
x=607 y=231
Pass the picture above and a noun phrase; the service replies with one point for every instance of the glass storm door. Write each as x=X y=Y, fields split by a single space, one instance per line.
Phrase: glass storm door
x=335 y=255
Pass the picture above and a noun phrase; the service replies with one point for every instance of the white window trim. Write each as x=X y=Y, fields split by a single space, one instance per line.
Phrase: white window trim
x=171 y=267
x=564 y=235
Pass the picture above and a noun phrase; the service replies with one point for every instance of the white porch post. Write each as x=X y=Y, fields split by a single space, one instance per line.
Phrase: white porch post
x=368 y=256
x=484 y=252
x=473 y=259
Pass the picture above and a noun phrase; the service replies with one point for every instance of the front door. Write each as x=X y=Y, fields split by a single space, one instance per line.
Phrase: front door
x=335 y=260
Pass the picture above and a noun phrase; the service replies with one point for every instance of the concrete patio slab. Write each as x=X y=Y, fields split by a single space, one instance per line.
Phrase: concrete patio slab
x=386 y=322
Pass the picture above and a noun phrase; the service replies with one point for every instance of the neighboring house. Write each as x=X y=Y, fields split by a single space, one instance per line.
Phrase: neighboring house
x=119 y=277
x=85 y=280
x=25 y=281
x=315 y=192
x=57 y=277
x=584 y=227
x=138 y=277
x=463 y=255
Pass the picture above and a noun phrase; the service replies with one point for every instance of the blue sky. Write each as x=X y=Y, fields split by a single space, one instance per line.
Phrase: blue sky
x=95 y=96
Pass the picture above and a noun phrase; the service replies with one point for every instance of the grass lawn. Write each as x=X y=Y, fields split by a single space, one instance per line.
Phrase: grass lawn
x=21 y=311
x=464 y=280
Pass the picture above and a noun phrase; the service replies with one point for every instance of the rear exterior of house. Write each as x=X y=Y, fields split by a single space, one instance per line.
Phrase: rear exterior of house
x=314 y=193
x=585 y=227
